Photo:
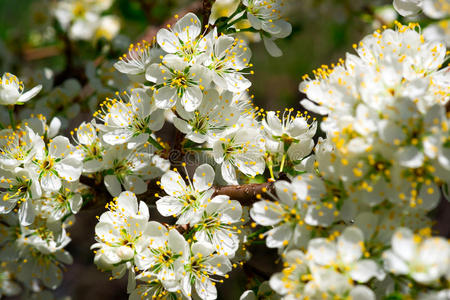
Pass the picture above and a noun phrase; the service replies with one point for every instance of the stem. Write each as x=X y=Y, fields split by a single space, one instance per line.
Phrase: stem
x=2 y=126
x=283 y=160
x=155 y=143
x=250 y=29
x=198 y=149
x=256 y=233
x=270 y=166
x=235 y=21
x=237 y=11
x=12 y=120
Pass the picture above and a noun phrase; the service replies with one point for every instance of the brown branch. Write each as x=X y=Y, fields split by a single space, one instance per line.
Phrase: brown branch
x=246 y=194
x=206 y=11
x=40 y=53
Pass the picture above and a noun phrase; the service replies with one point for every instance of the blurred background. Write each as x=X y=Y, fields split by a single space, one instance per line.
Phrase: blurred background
x=323 y=30
x=77 y=75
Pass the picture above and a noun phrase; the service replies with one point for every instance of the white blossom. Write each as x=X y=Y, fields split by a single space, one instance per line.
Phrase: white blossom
x=131 y=121
x=219 y=225
x=11 y=90
x=130 y=168
x=268 y=16
x=202 y=264
x=186 y=202
x=184 y=39
x=210 y=120
x=226 y=58
x=122 y=231
x=140 y=56
x=243 y=147
x=424 y=259
x=55 y=162
x=165 y=255
x=19 y=189
x=177 y=82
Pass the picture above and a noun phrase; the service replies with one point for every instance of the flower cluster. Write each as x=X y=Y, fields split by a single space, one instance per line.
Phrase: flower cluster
x=434 y=9
x=83 y=20
x=160 y=258
x=425 y=259
x=386 y=117
x=119 y=154
x=201 y=77
x=330 y=268
x=269 y=18
x=34 y=254
x=348 y=212
x=381 y=168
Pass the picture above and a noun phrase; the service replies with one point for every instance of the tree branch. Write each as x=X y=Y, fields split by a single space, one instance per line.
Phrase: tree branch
x=206 y=11
x=246 y=194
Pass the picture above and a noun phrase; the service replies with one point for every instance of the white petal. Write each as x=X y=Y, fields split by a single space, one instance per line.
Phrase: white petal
x=50 y=182
x=192 y=98
x=167 y=40
x=285 y=193
x=69 y=169
x=135 y=184
x=113 y=185
x=169 y=206
x=350 y=244
x=59 y=147
x=177 y=242
x=362 y=292
x=228 y=173
x=188 y=27
x=364 y=270
x=403 y=243
x=394 y=264
x=266 y=213
x=271 y=47
x=127 y=203
x=165 y=97
x=75 y=203
x=30 y=94
x=280 y=236
x=173 y=184
x=26 y=213
x=322 y=251
x=410 y=157
x=300 y=150
x=203 y=177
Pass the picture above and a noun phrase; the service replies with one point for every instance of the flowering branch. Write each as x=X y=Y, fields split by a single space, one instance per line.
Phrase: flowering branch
x=246 y=194
x=340 y=214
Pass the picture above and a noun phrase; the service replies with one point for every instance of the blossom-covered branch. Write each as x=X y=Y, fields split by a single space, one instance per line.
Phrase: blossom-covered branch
x=345 y=199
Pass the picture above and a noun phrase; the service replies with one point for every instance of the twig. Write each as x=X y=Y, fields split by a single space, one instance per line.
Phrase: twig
x=40 y=53
x=206 y=11
x=246 y=194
